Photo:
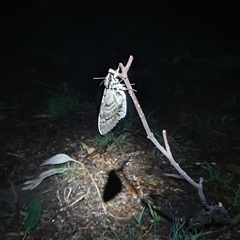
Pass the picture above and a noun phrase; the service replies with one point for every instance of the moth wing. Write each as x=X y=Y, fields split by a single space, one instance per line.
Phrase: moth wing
x=113 y=108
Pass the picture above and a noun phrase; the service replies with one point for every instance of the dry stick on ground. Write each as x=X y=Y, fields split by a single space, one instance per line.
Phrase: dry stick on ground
x=98 y=192
x=123 y=75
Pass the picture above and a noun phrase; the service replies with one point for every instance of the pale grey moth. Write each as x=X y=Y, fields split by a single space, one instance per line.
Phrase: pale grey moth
x=114 y=103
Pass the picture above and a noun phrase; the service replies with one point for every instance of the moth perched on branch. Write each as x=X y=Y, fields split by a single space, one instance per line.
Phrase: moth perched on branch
x=113 y=108
x=114 y=102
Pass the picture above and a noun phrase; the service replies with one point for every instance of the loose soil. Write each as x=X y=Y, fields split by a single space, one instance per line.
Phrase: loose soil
x=98 y=197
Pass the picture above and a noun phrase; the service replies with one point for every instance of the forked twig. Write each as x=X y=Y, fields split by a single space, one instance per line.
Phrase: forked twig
x=167 y=152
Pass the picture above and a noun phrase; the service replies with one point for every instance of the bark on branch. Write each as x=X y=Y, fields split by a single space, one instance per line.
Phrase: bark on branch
x=167 y=152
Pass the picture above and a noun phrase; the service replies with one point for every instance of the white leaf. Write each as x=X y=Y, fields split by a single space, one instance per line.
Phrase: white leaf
x=87 y=148
x=35 y=182
x=57 y=159
x=84 y=146
x=90 y=150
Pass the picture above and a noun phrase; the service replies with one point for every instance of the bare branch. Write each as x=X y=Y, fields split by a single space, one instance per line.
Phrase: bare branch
x=164 y=133
x=123 y=75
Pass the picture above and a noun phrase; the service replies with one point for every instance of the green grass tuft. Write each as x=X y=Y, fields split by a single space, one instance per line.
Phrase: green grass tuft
x=62 y=101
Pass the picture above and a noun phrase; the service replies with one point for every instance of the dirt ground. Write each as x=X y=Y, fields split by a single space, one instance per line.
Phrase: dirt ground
x=119 y=186
x=98 y=197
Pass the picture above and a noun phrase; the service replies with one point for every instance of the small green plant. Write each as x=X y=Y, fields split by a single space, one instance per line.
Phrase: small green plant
x=213 y=171
x=179 y=232
x=155 y=216
x=104 y=139
x=225 y=181
x=151 y=119
x=126 y=125
x=211 y=127
x=121 y=138
x=111 y=138
x=125 y=233
x=236 y=198
x=151 y=178
x=62 y=101
x=174 y=139
x=138 y=219
x=216 y=175
x=33 y=216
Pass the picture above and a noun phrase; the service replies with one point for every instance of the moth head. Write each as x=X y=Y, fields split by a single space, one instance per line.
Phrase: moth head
x=116 y=73
x=111 y=78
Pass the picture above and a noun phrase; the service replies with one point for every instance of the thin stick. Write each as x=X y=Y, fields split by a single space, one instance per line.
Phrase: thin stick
x=99 y=194
x=123 y=75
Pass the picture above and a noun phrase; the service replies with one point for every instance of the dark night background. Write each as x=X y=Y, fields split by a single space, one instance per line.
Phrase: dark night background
x=74 y=41
x=186 y=71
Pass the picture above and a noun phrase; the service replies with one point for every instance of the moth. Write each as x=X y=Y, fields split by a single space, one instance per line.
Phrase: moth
x=114 y=103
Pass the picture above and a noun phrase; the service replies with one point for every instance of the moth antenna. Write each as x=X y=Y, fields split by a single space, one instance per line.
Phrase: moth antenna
x=96 y=78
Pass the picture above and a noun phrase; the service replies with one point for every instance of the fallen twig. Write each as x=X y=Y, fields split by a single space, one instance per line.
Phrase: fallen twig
x=167 y=152
x=90 y=175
